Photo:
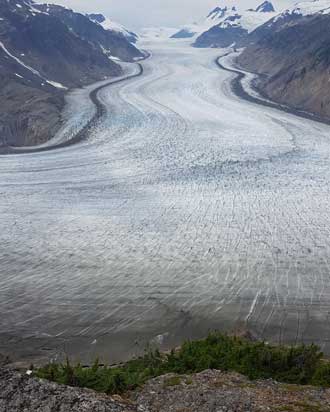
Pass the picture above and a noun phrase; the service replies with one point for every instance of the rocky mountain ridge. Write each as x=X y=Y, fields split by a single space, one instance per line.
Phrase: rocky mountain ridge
x=234 y=26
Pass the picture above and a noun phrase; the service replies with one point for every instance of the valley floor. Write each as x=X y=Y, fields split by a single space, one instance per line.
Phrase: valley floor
x=187 y=209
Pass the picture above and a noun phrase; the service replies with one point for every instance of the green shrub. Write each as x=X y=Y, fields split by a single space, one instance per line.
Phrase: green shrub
x=322 y=375
x=257 y=360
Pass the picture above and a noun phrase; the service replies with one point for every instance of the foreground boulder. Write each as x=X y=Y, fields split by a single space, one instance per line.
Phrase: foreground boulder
x=21 y=393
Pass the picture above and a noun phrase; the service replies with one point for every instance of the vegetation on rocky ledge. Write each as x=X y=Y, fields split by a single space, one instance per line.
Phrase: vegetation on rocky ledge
x=257 y=360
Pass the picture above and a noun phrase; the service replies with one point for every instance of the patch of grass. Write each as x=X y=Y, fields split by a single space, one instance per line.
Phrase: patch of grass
x=188 y=381
x=172 y=381
x=257 y=360
x=292 y=388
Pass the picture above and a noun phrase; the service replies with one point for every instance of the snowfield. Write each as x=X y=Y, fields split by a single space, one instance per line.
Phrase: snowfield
x=187 y=209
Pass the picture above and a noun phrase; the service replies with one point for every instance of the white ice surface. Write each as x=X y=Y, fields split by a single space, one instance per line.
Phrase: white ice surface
x=186 y=205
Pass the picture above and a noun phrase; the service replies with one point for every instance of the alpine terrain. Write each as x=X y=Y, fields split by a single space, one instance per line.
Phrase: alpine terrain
x=44 y=51
x=227 y=25
x=158 y=186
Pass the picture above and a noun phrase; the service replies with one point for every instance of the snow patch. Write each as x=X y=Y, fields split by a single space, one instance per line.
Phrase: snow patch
x=56 y=84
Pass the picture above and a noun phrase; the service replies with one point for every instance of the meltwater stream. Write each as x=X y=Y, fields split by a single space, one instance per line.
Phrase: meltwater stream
x=187 y=209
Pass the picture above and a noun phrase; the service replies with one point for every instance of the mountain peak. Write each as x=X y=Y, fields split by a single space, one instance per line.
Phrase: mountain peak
x=265 y=7
x=99 y=18
x=217 y=12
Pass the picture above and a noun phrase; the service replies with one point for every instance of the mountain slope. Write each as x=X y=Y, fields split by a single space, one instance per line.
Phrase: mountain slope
x=292 y=52
x=111 y=42
x=41 y=56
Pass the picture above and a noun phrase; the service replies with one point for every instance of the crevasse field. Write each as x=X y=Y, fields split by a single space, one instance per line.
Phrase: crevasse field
x=187 y=209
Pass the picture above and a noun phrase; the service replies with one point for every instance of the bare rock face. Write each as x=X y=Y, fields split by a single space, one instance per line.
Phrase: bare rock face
x=20 y=393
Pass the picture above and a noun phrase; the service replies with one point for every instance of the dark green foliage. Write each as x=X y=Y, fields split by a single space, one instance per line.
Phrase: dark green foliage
x=322 y=375
x=300 y=365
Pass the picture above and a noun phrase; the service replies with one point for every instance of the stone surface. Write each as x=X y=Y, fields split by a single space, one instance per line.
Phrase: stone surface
x=20 y=393
x=215 y=391
x=209 y=391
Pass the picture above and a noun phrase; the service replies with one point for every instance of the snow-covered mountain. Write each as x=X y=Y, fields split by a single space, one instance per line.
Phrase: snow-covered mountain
x=230 y=18
x=289 y=17
x=307 y=8
x=113 y=26
x=216 y=16
x=265 y=7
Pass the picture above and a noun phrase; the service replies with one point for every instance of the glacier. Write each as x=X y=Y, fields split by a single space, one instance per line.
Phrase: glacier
x=187 y=209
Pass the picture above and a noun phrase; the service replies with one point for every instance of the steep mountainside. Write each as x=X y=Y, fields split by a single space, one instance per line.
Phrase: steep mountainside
x=233 y=26
x=111 y=42
x=41 y=56
x=293 y=52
